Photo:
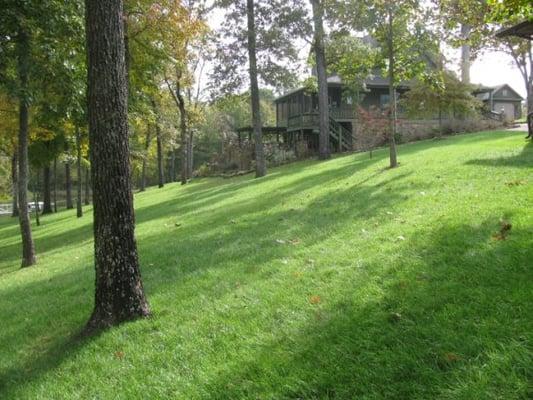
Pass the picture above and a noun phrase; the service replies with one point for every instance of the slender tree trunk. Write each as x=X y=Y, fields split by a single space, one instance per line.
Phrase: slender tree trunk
x=143 y=170
x=36 y=199
x=260 y=163
x=172 y=166
x=465 y=54
x=392 y=95
x=14 y=183
x=119 y=294
x=47 y=195
x=79 y=208
x=160 y=164
x=23 y=50
x=190 y=154
x=183 y=131
x=68 y=186
x=87 y=180
x=322 y=78
x=55 y=185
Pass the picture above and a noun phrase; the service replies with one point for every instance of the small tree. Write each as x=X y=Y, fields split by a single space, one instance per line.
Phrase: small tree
x=440 y=94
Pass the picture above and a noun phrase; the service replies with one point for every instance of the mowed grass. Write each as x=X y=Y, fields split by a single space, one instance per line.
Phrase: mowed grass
x=325 y=280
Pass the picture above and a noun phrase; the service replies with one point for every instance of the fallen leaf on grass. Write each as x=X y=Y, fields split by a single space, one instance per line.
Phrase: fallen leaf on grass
x=119 y=355
x=517 y=182
x=294 y=241
x=314 y=299
x=505 y=228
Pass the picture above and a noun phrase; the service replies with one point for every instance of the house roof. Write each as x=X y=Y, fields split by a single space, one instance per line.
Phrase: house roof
x=335 y=80
x=484 y=92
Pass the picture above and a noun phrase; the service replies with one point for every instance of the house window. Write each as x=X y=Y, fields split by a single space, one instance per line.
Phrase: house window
x=505 y=92
x=384 y=100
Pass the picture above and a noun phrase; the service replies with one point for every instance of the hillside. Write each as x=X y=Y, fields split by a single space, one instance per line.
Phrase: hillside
x=338 y=279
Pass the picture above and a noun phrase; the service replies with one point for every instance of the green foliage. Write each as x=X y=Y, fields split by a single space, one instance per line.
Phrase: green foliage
x=325 y=280
x=440 y=93
x=353 y=60
x=279 y=25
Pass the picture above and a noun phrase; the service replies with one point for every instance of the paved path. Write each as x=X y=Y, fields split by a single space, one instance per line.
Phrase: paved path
x=519 y=128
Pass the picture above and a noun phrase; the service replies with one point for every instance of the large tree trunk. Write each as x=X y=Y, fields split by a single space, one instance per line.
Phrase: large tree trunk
x=14 y=183
x=465 y=54
x=55 y=185
x=79 y=209
x=392 y=96
x=68 y=186
x=47 y=192
x=260 y=163
x=23 y=50
x=322 y=78
x=86 y=200
x=119 y=294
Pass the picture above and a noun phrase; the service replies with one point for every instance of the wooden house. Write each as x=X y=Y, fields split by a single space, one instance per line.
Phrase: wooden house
x=297 y=111
x=501 y=99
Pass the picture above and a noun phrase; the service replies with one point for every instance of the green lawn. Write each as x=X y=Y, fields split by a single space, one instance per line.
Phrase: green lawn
x=334 y=280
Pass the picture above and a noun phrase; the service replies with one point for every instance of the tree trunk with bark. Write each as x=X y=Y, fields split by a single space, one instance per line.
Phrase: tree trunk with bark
x=55 y=185
x=79 y=208
x=14 y=183
x=68 y=186
x=119 y=294
x=86 y=200
x=183 y=130
x=190 y=154
x=47 y=191
x=172 y=166
x=392 y=96
x=23 y=53
x=322 y=79
x=260 y=162
x=144 y=164
x=36 y=207
x=465 y=53
x=160 y=163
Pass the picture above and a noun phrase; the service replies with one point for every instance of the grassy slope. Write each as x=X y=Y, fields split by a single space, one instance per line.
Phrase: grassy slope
x=339 y=279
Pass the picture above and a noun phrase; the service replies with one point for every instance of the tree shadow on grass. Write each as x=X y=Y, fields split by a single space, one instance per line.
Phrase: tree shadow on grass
x=252 y=241
x=453 y=325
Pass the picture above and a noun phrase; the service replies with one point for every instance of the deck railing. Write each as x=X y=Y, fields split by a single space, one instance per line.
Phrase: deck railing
x=310 y=119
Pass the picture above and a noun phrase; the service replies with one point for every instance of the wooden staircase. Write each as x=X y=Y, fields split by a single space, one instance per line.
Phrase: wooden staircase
x=342 y=136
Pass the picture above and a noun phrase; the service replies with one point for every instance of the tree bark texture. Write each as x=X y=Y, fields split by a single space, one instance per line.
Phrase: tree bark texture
x=190 y=154
x=14 y=183
x=183 y=132
x=119 y=294
x=55 y=185
x=79 y=208
x=47 y=191
x=260 y=163
x=68 y=186
x=392 y=96
x=86 y=196
x=23 y=52
x=160 y=164
x=322 y=78
x=465 y=54
x=144 y=164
